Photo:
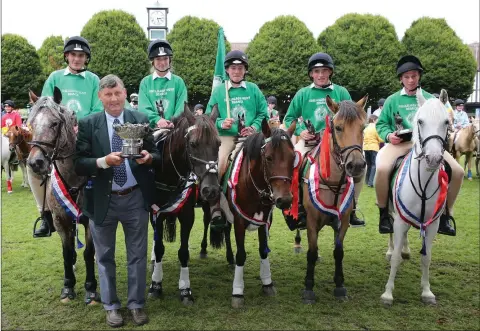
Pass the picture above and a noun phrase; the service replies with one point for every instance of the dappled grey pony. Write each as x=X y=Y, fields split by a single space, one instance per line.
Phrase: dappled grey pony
x=51 y=158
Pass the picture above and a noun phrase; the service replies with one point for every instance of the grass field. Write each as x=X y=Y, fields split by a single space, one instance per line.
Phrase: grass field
x=32 y=277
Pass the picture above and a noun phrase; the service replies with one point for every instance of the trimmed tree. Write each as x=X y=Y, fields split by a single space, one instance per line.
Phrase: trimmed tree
x=119 y=46
x=20 y=69
x=365 y=49
x=278 y=56
x=448 y=63
x=51 y=55
x=194 y=43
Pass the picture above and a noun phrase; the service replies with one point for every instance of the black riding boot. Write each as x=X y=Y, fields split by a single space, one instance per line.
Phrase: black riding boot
x=445 y=227
x=355 y=221
x=294 y=224
x=386 y=223
x=46 y=227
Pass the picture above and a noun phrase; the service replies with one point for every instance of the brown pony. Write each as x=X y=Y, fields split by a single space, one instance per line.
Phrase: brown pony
x=19 y=138
x=464 y=145
x=347 y=165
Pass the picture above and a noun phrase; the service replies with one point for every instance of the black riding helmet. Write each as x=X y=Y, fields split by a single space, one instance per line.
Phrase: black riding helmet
x=198 y=106
x=235 y=57
x=9 y=103
x=408 y=63
x=78 y=44
x=320 y=60
x=459 y=102
x=381 y=102
x=159 y=47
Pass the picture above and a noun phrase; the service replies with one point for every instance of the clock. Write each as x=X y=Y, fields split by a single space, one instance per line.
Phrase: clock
x=157 y=18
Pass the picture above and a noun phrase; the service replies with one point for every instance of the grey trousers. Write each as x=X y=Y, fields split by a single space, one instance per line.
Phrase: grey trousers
x=128 y=210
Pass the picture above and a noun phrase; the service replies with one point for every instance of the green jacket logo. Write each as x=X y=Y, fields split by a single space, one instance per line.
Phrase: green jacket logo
x=74 y=105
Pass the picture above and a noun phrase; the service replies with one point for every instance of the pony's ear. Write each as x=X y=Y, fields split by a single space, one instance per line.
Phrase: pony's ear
x=188 y=114
x=266 y=128
x=362 y=102
x=443 y=96
x=420 y=98
x=291 y=129
x=332 y=105
x=33 y=97
x=57 y=95
x=157 y=103
x=214 y=113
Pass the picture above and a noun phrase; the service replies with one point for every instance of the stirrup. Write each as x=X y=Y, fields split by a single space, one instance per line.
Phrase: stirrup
x=35 y=235
x=450 y=217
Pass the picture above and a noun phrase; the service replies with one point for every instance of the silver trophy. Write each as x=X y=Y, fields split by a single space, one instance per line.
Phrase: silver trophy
x=132 y=135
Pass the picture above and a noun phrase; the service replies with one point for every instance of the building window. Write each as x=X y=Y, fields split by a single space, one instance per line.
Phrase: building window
x=157 y=34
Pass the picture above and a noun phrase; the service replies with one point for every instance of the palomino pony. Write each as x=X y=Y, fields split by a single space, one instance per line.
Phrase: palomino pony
x=328 y=190
x=260 y=178
x=464 y=145
x=51 y=158
x=420 y=189
x=189 y=160
x=18 y=142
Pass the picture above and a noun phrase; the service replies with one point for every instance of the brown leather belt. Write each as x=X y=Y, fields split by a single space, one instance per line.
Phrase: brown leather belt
x=126 y=191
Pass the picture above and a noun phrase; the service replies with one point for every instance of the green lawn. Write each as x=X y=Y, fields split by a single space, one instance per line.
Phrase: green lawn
x=32 y=277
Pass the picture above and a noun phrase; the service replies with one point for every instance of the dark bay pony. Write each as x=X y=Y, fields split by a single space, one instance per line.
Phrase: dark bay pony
x=51 y=158
x=329 y=194
x=260 y=178
x=190 y=160
x=19 y=139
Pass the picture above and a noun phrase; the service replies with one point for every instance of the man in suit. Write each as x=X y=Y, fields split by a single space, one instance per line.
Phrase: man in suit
x=117 y=190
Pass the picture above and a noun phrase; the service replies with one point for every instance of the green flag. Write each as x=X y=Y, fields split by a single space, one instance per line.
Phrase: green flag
x=219 y=74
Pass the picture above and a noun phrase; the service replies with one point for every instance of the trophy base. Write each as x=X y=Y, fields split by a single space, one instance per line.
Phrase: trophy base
x=405 y=134
x=131 y=156
x=311 y=143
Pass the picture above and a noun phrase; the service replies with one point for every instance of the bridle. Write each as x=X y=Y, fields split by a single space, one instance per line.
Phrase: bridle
x=266 y=195
x=422 y=142
x=338 y=154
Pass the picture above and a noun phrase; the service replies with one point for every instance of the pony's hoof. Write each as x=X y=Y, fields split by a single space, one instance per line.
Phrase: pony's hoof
x=405 y=256
x=186 y=297
x=297 y=249
x=387 y=300
x=429 y=300
x=269 y=290
x=203 y=255
x=9 y=192
x=308 y=297
x=340 y=293
x=231 y=262
x=92 y=298
x=68 y=294
x=155 y=291
x=238 y=301
x=470 y=178
x=388 y=256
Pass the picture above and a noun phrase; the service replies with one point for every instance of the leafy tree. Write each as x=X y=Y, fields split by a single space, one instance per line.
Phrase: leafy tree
x=194 y=43
x=51 y=55
x=20 y=69
x=448 y=63
x=119 y=46
x=365 y=49
x=278 y=56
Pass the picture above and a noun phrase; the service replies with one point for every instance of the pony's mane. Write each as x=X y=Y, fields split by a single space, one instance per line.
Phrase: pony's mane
x=253 y=144
x=432 y=109
x=60 y=113
x=206 y=130
x=348 y=112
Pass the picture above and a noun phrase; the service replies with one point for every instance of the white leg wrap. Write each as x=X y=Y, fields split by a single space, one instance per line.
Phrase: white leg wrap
x=238 y=284
x=265 y=274
x=152 y=256
x=184 y=281
x=157 y=275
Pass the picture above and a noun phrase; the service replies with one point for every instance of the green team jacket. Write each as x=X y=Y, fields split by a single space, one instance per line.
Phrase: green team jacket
x=402 y=103
x=79 y=92
x=310 y=103
x=172 y=92
x=246 y=99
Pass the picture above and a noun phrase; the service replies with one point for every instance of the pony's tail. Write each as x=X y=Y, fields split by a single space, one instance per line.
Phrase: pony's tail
x=217 y=237
x=170 y=228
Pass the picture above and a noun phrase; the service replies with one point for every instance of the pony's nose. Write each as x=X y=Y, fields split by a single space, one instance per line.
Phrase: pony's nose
x=356 y=167
x=36 y=164
x=284 y=202
x=210 y=193
x=434 y=159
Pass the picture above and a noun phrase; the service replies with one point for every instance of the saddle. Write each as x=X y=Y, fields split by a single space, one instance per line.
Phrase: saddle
x=396 y=168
